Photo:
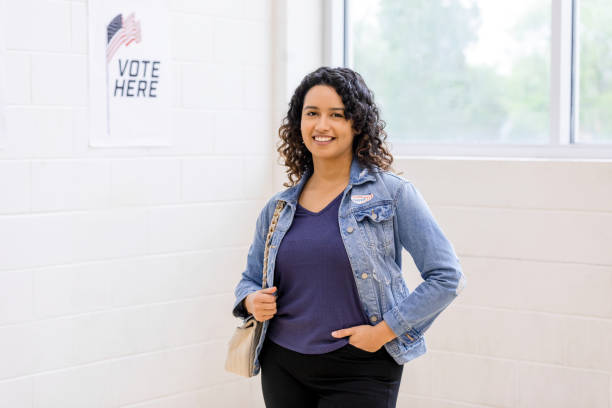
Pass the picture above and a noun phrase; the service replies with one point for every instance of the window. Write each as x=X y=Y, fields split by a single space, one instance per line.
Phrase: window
x=483 y=77
x=595 y=71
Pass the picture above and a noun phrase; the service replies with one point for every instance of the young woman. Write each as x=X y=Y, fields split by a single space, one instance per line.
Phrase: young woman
x=339 y=321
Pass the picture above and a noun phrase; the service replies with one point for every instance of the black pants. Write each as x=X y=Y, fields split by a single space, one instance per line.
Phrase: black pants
x=346 y=377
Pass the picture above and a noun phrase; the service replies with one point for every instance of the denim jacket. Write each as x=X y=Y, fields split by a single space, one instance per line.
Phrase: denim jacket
x=380 y=213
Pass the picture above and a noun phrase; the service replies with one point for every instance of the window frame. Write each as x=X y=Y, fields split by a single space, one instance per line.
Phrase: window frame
x=563 y=91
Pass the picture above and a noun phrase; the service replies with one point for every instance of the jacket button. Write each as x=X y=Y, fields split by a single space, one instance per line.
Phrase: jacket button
x=364 y=275
x=373 y=318
x=374 y=216
x=349 y=229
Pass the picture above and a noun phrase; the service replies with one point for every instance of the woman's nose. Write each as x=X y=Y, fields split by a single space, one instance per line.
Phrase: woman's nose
x=322 y=123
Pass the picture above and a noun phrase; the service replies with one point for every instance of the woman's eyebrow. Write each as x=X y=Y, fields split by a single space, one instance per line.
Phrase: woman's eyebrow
x=315 y=107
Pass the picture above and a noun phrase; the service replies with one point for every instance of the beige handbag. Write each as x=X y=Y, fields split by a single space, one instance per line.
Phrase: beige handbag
x=241 y=353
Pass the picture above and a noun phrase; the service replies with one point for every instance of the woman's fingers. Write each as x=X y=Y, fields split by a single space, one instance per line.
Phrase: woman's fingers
x=264 y=311
x=263 y=298
x=264 y=304
x=265 y=307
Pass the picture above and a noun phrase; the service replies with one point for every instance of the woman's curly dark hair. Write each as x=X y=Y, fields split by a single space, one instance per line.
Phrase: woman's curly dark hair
x=369 y=144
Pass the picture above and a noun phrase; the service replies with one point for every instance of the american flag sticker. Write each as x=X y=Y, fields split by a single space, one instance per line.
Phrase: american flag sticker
x=361 y=198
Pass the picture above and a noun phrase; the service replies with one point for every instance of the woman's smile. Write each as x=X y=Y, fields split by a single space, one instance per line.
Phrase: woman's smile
x=323 y=140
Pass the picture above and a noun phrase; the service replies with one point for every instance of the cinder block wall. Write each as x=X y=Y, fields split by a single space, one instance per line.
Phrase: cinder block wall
x=533 y=328
x=117 y=265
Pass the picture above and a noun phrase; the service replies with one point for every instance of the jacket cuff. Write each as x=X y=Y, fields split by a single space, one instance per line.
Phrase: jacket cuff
x=239 y=310
x=396 y=322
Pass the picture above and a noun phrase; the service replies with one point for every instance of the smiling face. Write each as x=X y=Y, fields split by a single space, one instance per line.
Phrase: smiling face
x=326 y=132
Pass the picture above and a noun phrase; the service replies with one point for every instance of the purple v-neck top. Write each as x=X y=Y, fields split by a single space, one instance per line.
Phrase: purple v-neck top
x=315 y=284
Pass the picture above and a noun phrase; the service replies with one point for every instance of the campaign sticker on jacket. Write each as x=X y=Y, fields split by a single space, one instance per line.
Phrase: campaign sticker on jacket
x=361 y=198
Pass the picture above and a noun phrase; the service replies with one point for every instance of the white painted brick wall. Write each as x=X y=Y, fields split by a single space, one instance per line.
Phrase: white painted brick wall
x=533 y=328
x=117 y=265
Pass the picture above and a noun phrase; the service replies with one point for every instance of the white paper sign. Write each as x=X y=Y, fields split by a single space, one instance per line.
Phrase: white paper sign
x=129 y=73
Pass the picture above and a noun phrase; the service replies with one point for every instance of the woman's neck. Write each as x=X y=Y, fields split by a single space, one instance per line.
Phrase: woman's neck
x=330 y=173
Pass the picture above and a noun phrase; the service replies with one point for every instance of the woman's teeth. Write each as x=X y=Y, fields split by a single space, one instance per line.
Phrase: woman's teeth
x=322 y=139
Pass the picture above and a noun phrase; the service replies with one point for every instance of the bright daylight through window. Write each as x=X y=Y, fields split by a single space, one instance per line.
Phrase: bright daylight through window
x=595 y=71
x=479 y=71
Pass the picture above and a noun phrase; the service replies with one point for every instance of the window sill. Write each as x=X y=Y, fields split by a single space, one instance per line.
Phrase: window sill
x=578 y=152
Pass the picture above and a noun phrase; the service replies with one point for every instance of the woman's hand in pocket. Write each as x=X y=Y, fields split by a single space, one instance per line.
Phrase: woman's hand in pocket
x=366 y=337
x=363 y=337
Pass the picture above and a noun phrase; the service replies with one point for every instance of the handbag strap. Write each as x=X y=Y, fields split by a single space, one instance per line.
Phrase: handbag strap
x=279 y=206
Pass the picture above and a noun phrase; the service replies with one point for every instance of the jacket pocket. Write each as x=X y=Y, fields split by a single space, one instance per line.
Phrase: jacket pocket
x=376 y=224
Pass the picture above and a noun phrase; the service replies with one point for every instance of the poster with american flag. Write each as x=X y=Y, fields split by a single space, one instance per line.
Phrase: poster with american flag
x=130 y=73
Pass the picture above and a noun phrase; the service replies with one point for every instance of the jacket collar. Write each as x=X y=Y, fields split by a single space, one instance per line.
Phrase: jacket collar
x=358 y=175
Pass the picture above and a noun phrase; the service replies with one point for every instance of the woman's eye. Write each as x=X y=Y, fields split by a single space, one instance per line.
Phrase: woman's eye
x=338 y=115
x=310 y=113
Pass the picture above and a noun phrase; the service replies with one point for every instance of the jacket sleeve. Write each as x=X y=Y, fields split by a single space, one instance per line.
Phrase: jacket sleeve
x=435 y=259
x=252 y=275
